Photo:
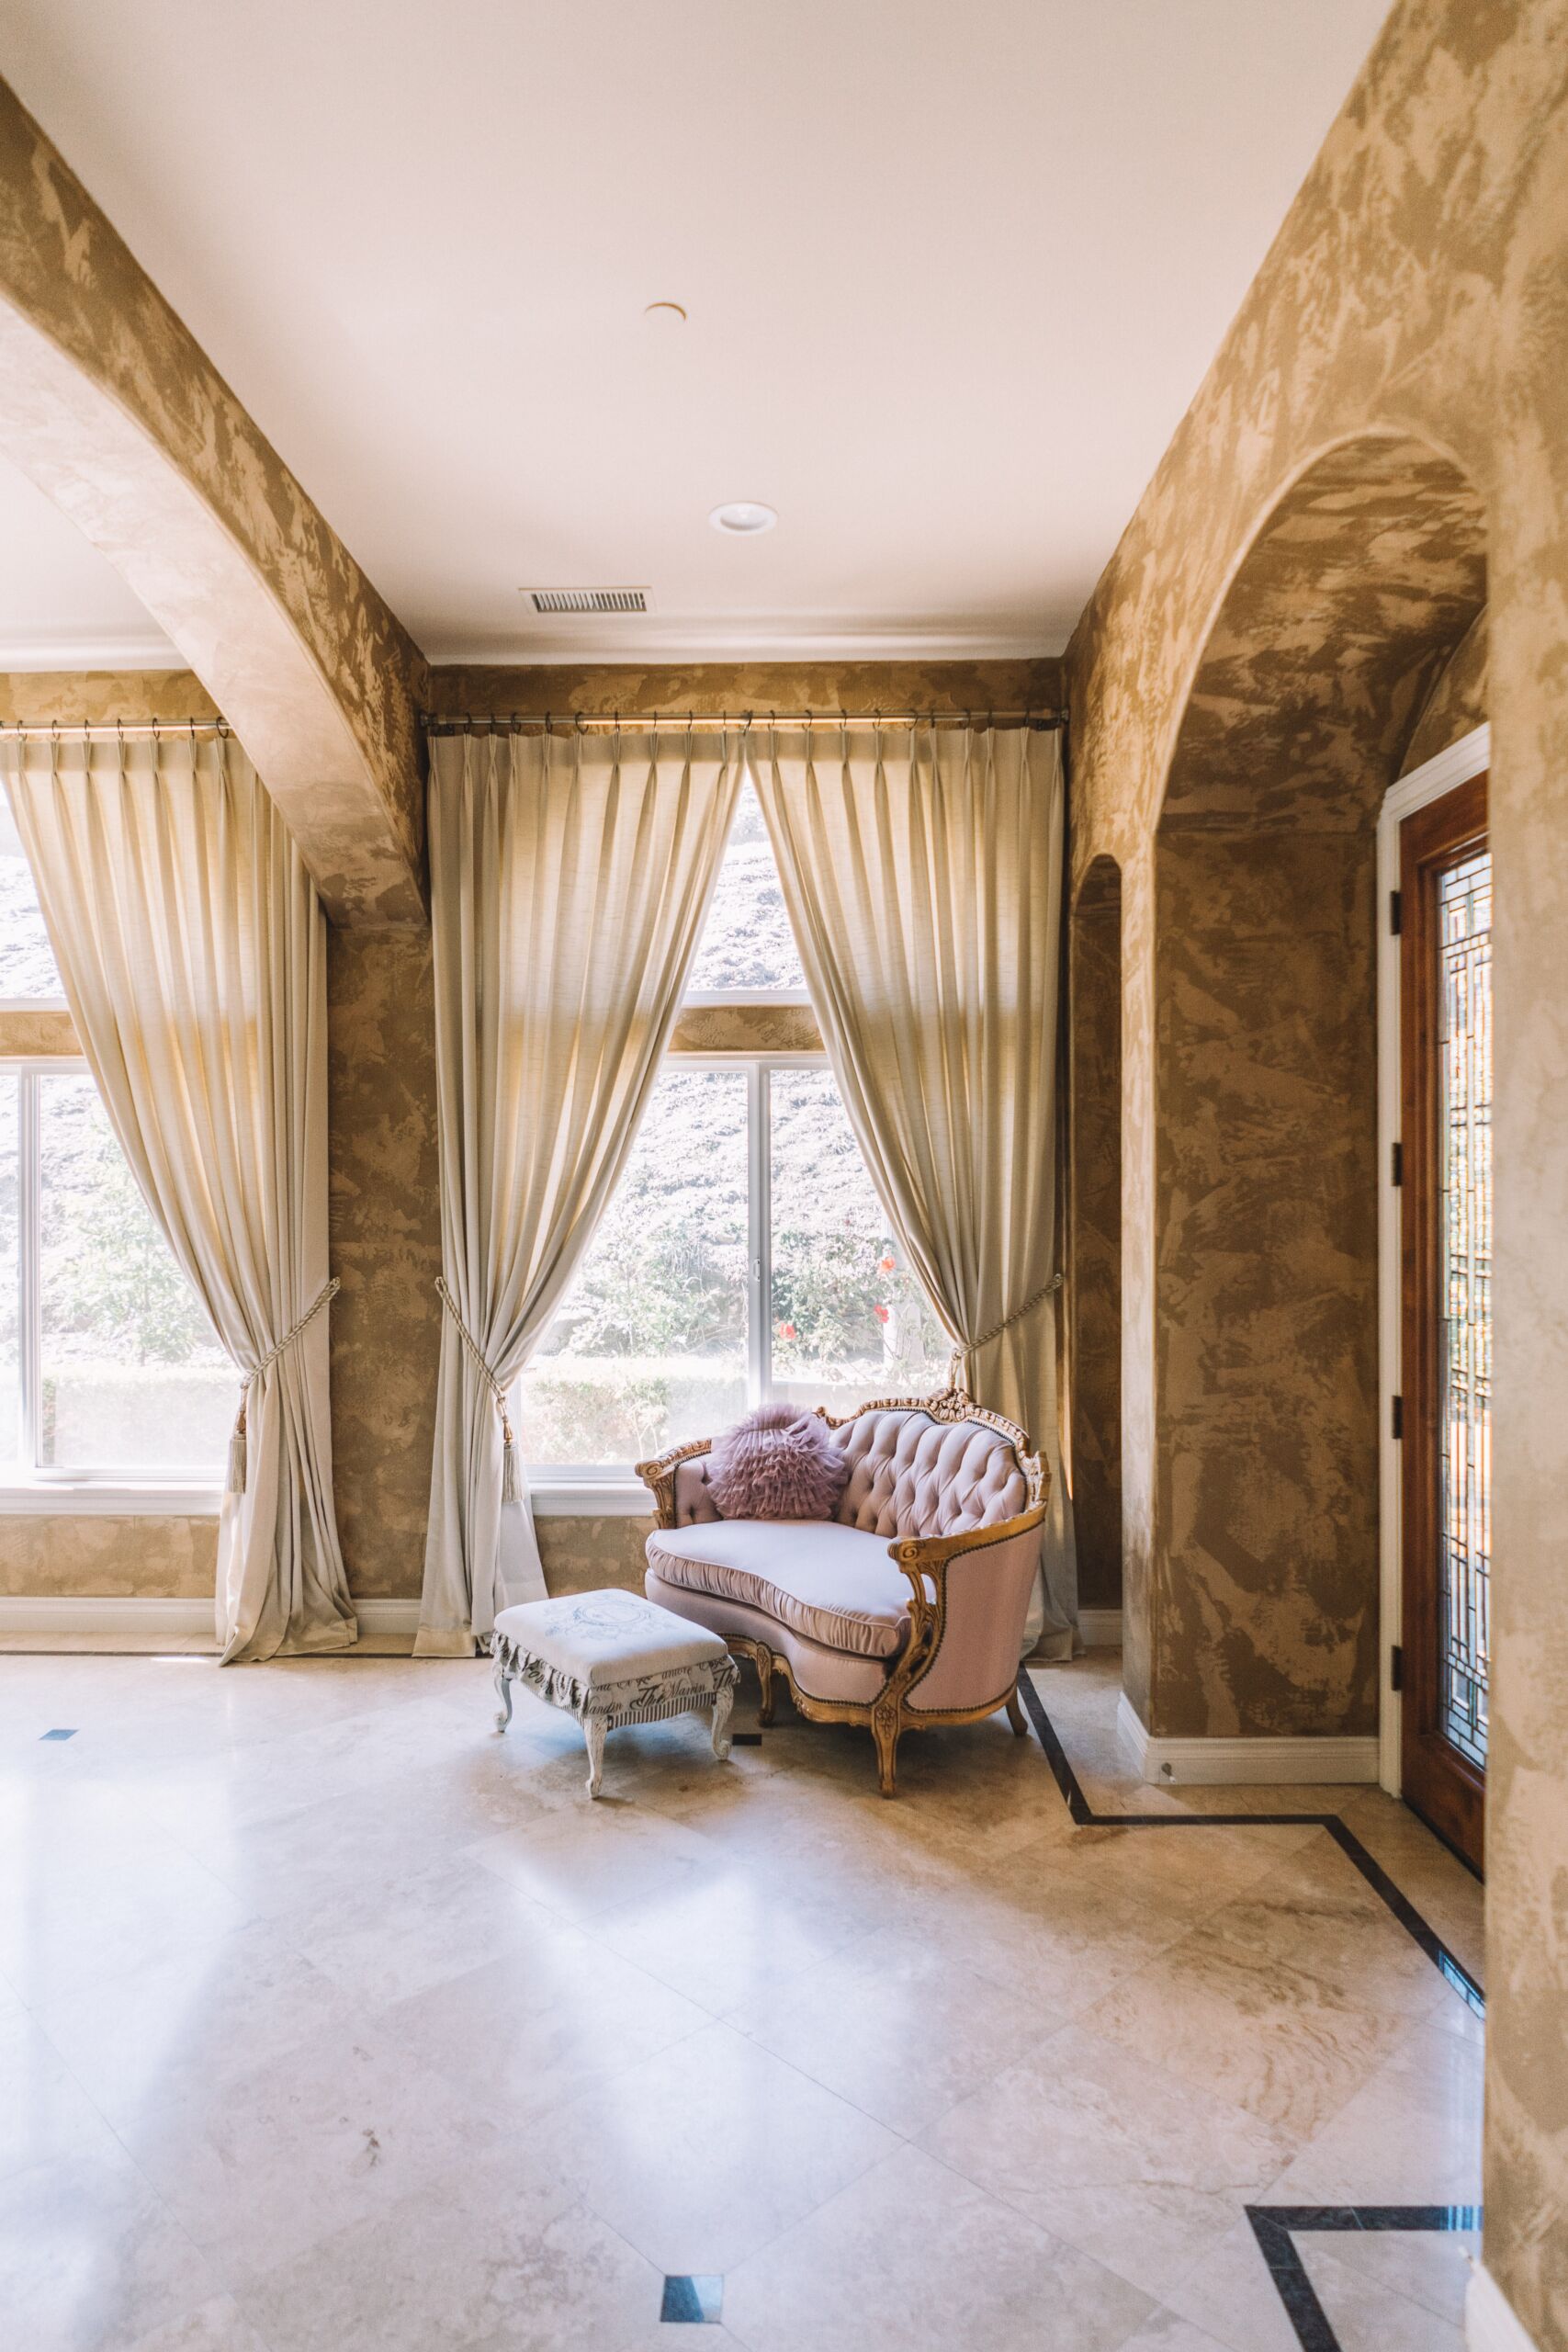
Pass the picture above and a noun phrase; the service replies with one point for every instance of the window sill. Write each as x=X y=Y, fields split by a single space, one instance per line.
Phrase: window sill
x=104 y=1498
x=562 y=1494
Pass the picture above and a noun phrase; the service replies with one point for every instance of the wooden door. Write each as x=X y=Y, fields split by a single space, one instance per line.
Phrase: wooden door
x=1446 y=1252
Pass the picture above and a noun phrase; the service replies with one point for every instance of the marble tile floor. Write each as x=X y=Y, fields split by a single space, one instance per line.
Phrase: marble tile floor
x=331 y=2021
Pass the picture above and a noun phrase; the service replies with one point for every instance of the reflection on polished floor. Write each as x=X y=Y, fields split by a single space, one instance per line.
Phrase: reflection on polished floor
x=329 y=2020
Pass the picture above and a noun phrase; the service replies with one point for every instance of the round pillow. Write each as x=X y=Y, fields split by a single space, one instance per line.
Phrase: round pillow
x=778 y=1463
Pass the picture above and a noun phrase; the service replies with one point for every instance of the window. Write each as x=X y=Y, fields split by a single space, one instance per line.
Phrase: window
x=748 y=949
x=27 y=973
x=744 y=1257
x=108 y=1366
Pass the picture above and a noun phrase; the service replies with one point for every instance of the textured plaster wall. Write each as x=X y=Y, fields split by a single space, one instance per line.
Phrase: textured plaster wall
x=107 y=402
x=125 y=1559
x=1095 y=1233
x=1416 y=291
x=1457 y=704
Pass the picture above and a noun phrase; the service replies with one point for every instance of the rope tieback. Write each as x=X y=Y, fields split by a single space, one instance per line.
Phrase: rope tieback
x=237 y=1452
x=510 y=1490
x=972 y=1347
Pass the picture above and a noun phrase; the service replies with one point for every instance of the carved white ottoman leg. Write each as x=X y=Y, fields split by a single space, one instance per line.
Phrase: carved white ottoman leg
x=593 y=1730
x=503 y=1693
x=723 y=1702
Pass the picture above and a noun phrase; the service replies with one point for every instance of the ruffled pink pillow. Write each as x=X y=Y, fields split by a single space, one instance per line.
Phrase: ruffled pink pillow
x=777 y=1463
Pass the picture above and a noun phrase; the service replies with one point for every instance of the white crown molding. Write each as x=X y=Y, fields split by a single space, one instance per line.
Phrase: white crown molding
x=1227 y=1763
x=45 y=654
x=1101 y=1628
x=107 y=1624
x=1490 y=2323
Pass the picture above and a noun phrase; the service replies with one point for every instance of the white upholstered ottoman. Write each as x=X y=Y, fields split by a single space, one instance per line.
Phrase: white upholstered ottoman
x=610 y=1658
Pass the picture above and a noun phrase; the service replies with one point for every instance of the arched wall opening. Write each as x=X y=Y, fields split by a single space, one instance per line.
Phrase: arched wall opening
x=1094 y=1244
x=1263 y=1588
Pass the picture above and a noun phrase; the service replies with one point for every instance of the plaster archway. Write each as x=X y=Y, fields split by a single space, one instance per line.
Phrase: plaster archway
x=1262 y=1592
x=111 y=407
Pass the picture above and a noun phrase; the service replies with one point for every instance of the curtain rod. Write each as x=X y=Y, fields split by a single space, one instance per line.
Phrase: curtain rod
x=111 y=727
x=639 y=723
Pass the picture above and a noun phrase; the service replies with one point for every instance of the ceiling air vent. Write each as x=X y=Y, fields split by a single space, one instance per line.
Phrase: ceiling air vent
x=589 y=600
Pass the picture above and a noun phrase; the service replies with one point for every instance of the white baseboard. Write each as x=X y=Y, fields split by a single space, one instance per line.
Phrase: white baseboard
x=1101 y=1628
x=101 y=1624
x=1238 y=1762
x=1490 y=2322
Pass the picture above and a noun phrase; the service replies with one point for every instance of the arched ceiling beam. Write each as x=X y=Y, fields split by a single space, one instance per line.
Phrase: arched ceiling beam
x=108 y=404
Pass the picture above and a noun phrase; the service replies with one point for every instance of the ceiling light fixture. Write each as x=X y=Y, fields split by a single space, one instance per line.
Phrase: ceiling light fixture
x=744 y=517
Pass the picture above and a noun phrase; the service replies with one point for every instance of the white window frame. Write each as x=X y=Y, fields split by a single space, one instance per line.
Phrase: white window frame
x=29 y=1489
x=1471 y=755
x=565 y=1489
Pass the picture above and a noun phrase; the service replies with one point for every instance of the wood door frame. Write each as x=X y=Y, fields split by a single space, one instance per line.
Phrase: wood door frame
x=1471 y=756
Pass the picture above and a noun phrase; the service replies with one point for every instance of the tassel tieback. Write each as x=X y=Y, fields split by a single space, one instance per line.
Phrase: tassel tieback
x=237 y=1456
x=972 y=1347
x=511 y=1491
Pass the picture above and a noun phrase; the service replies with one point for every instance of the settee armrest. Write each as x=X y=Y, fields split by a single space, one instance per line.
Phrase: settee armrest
x=659 y=1475
x=935 y=1565
x=923 y=1555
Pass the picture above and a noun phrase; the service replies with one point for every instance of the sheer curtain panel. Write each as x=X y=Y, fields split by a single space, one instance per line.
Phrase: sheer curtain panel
x=193 y=952
x=922 y=870
x=569 y=874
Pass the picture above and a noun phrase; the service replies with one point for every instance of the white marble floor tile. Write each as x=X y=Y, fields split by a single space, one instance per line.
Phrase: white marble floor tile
x=528 y=2031
x=710 y=2148
x=216 y=2326
x=912 y=2256
x=63 y=1933
x=1410 y=2135
x=1249 y=2027
x=188 y=2019
x=91 y=2258
x=1135 y=2166
x=901 y=2032
x=260 y=2165
x=494 y=2257
x=44 y=2111
x=598 y=1857
x=724 y=1939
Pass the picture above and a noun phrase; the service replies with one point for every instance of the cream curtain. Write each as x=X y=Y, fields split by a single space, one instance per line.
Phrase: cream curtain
x=193 y=952
x=922 y=871
x=569 y=875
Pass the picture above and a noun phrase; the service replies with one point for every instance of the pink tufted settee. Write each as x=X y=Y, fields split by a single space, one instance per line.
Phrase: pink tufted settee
x=907 y=1608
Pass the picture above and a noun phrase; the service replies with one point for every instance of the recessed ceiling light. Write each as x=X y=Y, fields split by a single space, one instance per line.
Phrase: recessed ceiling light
x=666 y=310
x=744 y=517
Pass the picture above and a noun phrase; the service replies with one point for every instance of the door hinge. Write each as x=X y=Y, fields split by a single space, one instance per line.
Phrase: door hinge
x=1394 y=911
x=1399 y=1417
x=1397 y=1173
x=1397 y=1667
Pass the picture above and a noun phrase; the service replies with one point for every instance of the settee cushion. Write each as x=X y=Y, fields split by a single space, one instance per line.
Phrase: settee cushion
x=835 y=1585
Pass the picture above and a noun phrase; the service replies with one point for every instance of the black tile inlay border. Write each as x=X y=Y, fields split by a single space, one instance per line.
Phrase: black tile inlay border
x=1450 y=1968
x=746 y=1739
x=691 y=2299
x=1276 y=2228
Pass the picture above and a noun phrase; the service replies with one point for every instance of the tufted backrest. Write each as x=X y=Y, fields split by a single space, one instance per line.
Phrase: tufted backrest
x=912 y=1475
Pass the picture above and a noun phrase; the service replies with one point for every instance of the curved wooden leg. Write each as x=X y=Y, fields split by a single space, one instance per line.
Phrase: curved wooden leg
x=1016 y=1715
x=764 y=1664
x=885 y=1728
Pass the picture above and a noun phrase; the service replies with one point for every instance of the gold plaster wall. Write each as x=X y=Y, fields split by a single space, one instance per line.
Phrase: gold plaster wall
x=1457 y=704
x=125 y=1559
x=707 y=687
x=1415 y=292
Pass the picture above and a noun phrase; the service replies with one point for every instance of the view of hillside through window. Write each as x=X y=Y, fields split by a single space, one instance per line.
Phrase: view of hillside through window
x=744 y=1255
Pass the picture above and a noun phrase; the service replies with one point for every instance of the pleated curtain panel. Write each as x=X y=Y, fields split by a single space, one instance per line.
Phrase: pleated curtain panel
x=921 y=867
x=570 y=876
x=193 y=952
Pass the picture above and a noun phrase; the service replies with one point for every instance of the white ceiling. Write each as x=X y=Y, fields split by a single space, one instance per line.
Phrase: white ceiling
x=954 y=273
